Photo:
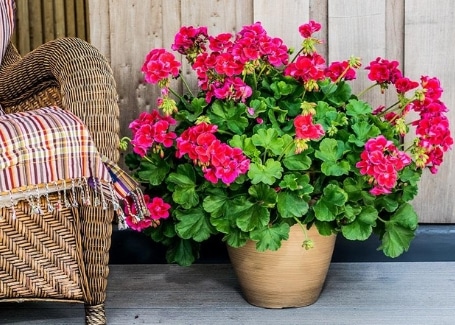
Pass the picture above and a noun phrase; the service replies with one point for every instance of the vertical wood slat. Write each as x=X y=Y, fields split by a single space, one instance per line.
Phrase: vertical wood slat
x=319 y=13
x=59 y=19
x=48 y=20
x=39 y=21
x=131 y=38
x=394 y=24
x=358 y=30
x=22 y=25
x=283 y=18
x=429 y=51
x=87 y=19
x=100 y=26
x=80 y=18
x=36 y=24
x=70 y=23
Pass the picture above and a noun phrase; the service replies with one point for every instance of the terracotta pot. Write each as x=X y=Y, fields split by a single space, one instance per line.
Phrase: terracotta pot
x=289 y=277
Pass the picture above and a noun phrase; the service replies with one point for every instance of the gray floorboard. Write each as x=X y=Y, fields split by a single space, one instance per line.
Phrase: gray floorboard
x=355 y=293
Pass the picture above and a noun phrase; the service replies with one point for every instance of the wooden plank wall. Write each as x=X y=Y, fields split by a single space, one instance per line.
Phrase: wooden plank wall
x=39 y=21
x=417 y=33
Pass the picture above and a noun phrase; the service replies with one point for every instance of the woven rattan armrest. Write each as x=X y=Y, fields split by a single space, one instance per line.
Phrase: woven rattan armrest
x=72 y=74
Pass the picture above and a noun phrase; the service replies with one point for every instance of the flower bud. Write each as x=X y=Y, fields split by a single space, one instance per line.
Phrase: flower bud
x=308 y=244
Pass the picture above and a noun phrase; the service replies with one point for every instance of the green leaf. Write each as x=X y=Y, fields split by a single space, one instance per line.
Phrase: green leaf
x=292 y=106
x=249 y=216
x=164 y=233
x=330 y=151
x=297 y=162
x=324 y=228
x=411 y=175
x=323 y=109
x=410 y=192
x=218 y=203
x=362 y=227
x=268 y=139
x=290 y=205
x=357 y=107
x=399 y=231
x=193 y=224
x=132 y=161
x=412 y=178
x=341 y=94
x=259 y=106
x=328 y=88
x=387 y=202
x=363 y=131
x=354 y=188
x=330 y=168
x=297 y=182
x=351 y=212
x=228 y=116
x=264 y=195
x=184 y=192
x=153 y=173
x=246 y=144
x=197 y=107
x=267 y=173
x=282 y=88
x=236 y=238
x=182 y=252
x=270 y=237
x=328 y=206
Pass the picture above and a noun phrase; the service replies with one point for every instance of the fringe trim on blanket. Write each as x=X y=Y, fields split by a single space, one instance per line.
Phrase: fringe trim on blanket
x=74 y=193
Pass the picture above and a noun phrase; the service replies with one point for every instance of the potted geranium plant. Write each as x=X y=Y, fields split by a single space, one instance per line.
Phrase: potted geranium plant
x=270 y=139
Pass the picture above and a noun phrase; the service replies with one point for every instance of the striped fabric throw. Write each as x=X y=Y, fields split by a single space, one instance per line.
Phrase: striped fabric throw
x=6 y=24
x=50 y=149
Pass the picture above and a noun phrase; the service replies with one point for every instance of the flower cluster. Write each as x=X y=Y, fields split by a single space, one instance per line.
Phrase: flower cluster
x=268 y=140
x=218 y=160
x=382 y=161
x=151 y=131
x=157 y=207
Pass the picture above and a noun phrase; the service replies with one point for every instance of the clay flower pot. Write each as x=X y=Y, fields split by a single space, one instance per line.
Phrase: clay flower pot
x=289 y=277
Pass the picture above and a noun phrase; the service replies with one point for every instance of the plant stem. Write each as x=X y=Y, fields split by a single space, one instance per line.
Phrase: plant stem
x=296 y=55
x=176 y=94
x=284 y=151
x=259 y=75
x=305 y=233
x=367 y=89
x=343 y=74
x=187 y=86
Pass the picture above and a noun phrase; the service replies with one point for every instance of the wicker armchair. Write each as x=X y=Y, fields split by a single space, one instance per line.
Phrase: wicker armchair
x=60 y=255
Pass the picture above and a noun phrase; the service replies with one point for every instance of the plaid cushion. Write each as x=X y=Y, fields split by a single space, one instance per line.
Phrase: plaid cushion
x=43 y=150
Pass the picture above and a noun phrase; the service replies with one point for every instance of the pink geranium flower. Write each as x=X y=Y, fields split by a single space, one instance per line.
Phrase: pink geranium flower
x=159 y=65
x=306 y=129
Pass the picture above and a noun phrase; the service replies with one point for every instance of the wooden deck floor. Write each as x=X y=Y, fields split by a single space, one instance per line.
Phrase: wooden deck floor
x=355 y=293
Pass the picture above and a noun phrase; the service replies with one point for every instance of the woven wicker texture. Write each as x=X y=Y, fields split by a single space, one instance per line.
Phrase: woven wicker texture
x=61 y=254
x=36 y=259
